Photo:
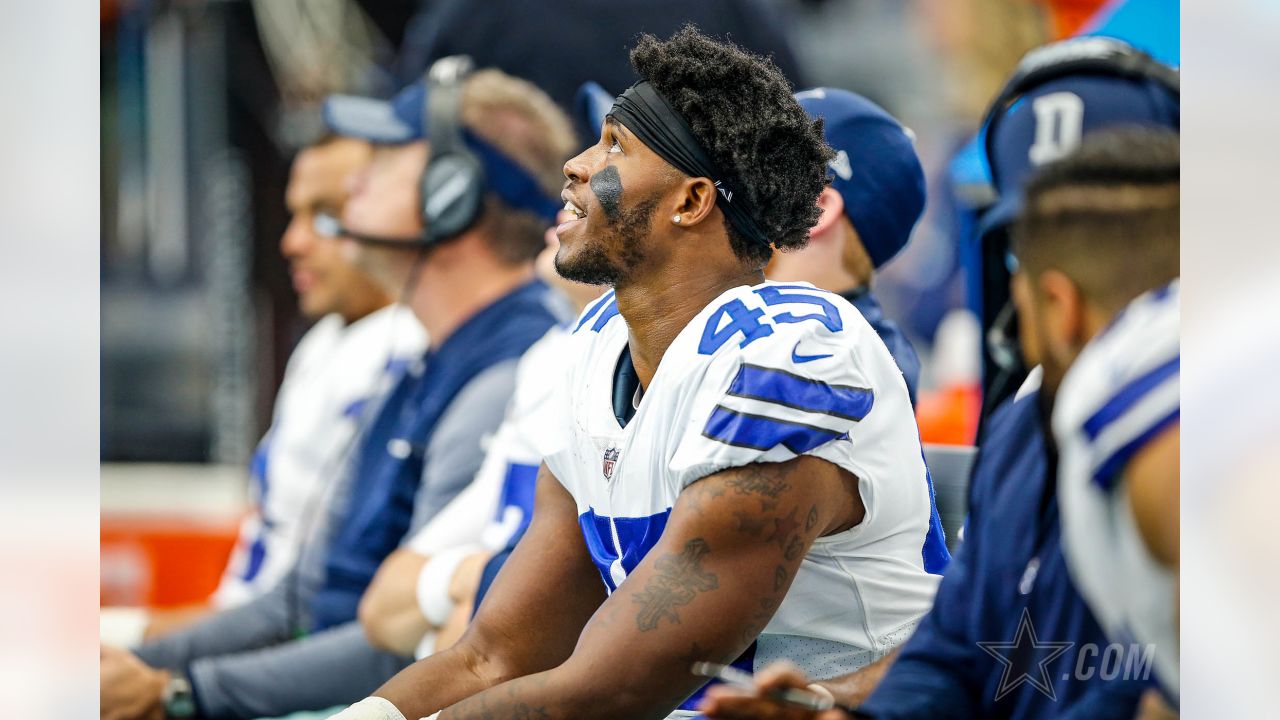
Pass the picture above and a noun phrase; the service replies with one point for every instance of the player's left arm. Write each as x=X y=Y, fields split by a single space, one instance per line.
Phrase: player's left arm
x=1153 y=481
x=731 y=548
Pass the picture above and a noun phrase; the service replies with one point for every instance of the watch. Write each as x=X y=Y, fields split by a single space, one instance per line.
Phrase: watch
x=179 y=703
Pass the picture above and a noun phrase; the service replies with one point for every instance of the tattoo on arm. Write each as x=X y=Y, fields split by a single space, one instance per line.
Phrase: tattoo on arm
x=749 y=524
x=766 y=481
x=784 y=530
x=677 y=581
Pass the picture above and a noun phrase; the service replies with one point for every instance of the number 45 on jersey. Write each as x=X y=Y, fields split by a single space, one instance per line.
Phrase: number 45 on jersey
x=734 y=317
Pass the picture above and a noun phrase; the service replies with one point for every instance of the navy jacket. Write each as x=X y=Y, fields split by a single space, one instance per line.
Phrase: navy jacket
x=1009 y=575
x=391 y=457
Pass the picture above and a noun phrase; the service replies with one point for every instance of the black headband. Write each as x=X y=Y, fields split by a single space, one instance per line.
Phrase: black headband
x=647 y=114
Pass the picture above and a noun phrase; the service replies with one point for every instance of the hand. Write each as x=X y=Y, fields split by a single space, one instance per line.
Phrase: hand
x=128 y=688
x=724 y=702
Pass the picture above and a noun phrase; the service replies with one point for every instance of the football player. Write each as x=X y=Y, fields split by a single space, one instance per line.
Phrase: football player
x=741 y=478
x=1097 y=297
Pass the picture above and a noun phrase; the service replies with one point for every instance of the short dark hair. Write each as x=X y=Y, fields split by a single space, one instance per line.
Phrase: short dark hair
x=741 y=110
x=1106 y=215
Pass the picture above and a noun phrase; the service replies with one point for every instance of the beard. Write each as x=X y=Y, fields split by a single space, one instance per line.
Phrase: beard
x=614 y=255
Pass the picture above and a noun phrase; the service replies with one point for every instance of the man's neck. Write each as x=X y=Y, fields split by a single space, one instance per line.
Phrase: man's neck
x=657 y=309
x=362 y=310
x=446 y=298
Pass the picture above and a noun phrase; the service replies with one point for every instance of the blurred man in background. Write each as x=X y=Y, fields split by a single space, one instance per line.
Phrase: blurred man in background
x=340 y=363
x=466 y=272
x=1013 y=528
x=1097 y=295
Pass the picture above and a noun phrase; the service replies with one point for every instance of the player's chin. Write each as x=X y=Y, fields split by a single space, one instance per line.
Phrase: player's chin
x=314 y=304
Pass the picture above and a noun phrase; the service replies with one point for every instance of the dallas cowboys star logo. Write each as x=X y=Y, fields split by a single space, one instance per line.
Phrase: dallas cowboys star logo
x=1025 y=645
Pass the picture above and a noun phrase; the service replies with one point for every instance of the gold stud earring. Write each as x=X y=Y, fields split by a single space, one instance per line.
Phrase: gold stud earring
x=676 y=219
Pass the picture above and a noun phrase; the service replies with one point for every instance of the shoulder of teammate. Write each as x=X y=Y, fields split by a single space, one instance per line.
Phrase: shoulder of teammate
x=776 y=371
x=538 y=366
x=318 y=342
x=532 y=427
x=1123 y=390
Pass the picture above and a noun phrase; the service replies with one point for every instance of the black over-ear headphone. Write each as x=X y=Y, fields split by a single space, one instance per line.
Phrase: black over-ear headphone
x=453 y=183
x=1086 y=55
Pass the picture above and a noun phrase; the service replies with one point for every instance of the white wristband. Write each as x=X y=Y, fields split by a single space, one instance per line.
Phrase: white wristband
x=370 y=708
x=433 y=584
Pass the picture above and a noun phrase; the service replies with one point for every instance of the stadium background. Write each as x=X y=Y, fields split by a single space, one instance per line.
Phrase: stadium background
x=49 y=422
x=204 y=104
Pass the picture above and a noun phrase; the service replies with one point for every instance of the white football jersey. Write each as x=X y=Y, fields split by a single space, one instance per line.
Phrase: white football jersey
x=1121 y=392
x=333 y=378
x=762 y=374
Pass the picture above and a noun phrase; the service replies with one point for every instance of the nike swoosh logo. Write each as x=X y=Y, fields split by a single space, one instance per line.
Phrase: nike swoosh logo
x=797 y=358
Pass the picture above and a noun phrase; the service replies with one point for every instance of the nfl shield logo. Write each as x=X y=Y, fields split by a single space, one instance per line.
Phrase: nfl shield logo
x=610 y=461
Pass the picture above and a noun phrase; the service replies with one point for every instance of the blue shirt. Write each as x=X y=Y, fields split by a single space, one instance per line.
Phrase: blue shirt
x=1008 y=576
x=391 y=458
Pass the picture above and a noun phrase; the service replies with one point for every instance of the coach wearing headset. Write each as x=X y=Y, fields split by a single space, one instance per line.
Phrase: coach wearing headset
x=449 y=216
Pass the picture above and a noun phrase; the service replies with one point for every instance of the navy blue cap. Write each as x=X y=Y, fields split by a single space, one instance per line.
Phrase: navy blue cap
x=401 y=120
x=1070 y=108
x=591 y=104
x=876 y=170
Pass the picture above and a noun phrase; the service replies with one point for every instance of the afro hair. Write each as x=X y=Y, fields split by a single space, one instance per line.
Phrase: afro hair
x=741 y=110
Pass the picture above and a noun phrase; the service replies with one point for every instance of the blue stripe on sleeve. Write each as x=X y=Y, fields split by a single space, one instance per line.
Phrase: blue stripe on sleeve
x=1108 y=471
x=777 y=386
x=763 y=433
x=1128 y=396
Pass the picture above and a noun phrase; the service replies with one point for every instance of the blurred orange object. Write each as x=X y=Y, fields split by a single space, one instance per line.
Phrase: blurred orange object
x=162 y=562
x=949 y=416
x=1067 y=17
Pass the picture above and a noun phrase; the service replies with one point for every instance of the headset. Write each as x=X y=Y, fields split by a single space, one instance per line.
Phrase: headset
x=462 y=168
x=453 y=183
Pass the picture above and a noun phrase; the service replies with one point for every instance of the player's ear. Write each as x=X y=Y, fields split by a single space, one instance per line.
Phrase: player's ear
x=1028 y=318
x=1063 y=312
x=832 y=205
x=695 y=199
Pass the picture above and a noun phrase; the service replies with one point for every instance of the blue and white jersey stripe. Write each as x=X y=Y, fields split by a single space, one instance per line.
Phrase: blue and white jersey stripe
x=787 y=389
x=1135 y=414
